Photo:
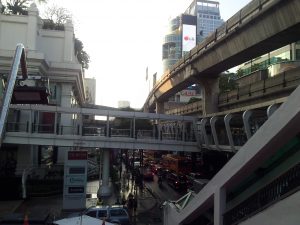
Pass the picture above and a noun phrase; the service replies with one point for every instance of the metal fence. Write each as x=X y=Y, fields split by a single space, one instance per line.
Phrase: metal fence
x=273 y=192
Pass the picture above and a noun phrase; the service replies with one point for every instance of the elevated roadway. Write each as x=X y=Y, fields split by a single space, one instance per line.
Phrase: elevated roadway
x=258 y=28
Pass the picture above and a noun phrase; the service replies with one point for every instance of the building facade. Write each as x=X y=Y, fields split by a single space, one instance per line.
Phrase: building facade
x=50 y=55
x=181 y=30
x=208 y=19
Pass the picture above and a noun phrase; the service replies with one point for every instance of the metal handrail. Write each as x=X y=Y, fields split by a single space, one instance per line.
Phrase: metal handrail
x=19 y=57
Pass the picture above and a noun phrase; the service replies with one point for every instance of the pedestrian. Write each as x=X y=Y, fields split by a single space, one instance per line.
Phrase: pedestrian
x=135 y=204
x=123 y=200
x=99 y=201
x=130 y=204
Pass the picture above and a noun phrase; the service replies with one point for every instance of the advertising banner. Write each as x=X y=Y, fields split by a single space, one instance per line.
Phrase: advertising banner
x=189 y=32
x=188 y=37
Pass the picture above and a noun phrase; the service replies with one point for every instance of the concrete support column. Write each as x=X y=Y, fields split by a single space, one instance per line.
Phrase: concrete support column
x=69 y=42
x=203 y=131
x=246 y=117
x=213 y=121
x=33 y=14
x=66 y=97
x=160 y=108
x=104 y=189
x=210 y=91
x=65 y=119
x=219 y=206
x=227 y=119
x=107 y=127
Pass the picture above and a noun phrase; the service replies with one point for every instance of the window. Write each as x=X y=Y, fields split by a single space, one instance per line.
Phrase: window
x=92 y=214
x=118 y=212
x=297 y=54
x=102 y=213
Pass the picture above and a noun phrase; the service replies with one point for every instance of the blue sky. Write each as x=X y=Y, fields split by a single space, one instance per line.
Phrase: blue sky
x=123 y=37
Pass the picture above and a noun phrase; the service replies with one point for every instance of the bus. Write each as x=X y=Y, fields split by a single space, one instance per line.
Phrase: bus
x=177 y=163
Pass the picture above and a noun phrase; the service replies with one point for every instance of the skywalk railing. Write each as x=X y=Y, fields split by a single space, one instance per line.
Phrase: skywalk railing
x=157 y=126
x=273 y=192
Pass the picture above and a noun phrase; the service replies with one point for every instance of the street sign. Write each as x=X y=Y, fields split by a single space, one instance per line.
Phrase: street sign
x=75 y=179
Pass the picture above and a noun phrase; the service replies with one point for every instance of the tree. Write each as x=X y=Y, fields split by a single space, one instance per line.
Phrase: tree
x=19 y=7
x=2 y=7
x=57 y=15
x=227 y=82
x=81 y=55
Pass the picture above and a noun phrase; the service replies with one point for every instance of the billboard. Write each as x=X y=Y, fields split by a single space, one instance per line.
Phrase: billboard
x=189 y=31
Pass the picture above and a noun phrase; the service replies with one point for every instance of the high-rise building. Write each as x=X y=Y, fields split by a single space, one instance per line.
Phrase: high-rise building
x=185 y=31
x=208 y=19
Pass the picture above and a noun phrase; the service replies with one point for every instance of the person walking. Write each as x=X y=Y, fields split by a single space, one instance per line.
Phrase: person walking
x=130 y=205
x=135 y=204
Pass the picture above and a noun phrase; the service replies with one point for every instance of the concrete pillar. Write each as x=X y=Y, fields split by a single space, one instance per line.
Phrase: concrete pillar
x=160 y=108
x=66 y=96
x=104 y=189
x=210 y=91
x=65 y=119
x=203 y=131
x=227 y=119
x=219 y=205
x=246 y=117
x=32 y=27
x=213 y=121
x=69 y=42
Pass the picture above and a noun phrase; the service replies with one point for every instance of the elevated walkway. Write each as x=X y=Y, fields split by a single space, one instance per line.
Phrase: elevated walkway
x=274 y=134
x=161 y=136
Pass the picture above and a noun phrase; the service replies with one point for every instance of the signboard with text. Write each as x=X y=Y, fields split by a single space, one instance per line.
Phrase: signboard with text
x=189 y=31
x=75 y=179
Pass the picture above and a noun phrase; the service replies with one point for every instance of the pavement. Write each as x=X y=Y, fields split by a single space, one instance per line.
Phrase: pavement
x=45 y=210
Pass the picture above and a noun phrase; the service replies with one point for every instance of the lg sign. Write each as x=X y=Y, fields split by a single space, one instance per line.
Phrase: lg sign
x=187 y=38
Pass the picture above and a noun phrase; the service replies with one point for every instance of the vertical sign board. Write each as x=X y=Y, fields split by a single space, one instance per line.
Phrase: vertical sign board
x=75 y=179
x=189 y=31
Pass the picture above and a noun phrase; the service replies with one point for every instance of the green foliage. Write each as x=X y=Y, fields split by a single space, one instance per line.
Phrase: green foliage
x=81 y=55
x=227 y=82
x=17 y=7
x=50 y=25
x=240 y=73
x=193 y=99
x=57 y=15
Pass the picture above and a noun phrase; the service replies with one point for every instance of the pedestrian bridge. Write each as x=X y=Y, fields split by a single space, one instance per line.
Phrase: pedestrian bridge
x=70 y=129
x=258 y=184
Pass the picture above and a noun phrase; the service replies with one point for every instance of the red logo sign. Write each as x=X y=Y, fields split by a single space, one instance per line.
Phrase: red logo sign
x=77 y=155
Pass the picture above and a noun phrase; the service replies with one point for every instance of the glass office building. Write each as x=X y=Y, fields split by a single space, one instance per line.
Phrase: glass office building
x=208 y=19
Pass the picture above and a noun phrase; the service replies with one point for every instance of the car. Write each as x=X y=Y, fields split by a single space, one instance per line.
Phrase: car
x=148 y=174
x=117 y=214
x=178 y=181
x=197 y=181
